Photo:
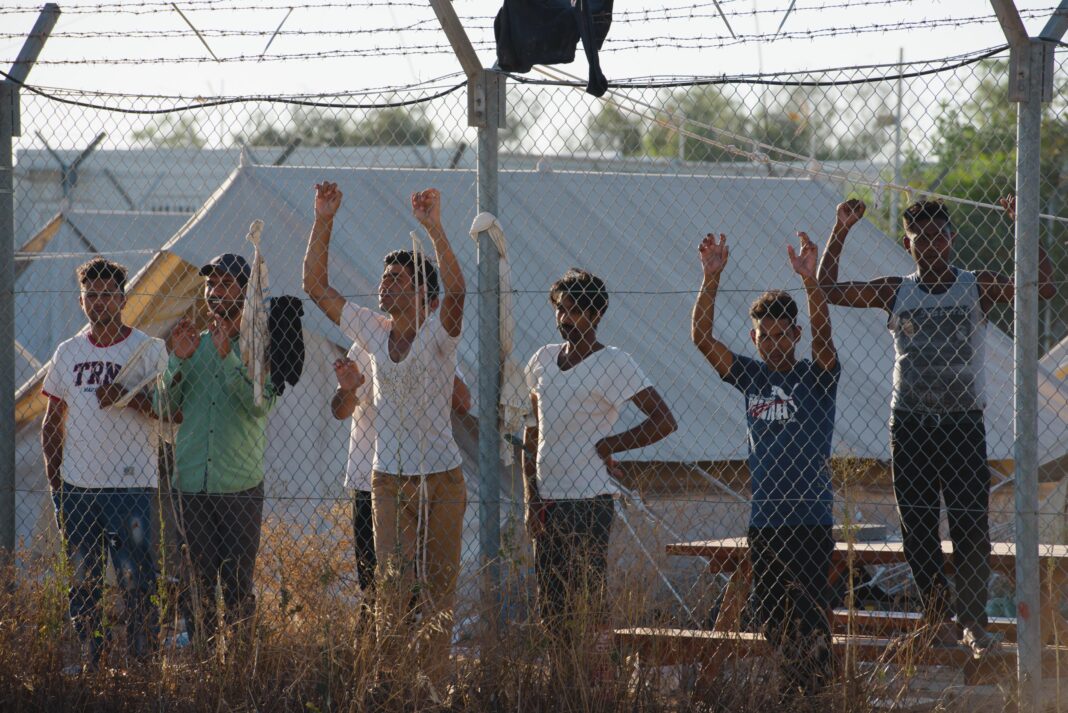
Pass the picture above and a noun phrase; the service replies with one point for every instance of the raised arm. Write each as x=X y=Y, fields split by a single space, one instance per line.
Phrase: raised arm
x=426 y=207
x=876 y=293
x=53 y=431
x=819 y=315
x=317 y=257
x=998 y=288
x=713 y=260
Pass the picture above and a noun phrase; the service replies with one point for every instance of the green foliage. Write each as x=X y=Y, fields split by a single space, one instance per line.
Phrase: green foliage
x=698 y=105
x=974 y=158
x=395 y=126
x=172 y=131
x=610 y=130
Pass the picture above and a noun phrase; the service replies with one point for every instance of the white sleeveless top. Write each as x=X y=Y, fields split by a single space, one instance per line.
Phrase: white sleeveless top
x=939 y=347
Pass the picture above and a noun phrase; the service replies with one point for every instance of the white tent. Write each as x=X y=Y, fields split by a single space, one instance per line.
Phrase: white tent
x=637 y=231
x=1056 y=360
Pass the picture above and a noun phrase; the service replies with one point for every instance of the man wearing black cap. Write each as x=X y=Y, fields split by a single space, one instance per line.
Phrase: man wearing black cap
x=218 y=471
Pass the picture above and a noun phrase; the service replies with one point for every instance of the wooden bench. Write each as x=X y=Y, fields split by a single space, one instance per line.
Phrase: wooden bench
x=894 y=623
x=730 y=555
x=669 y=646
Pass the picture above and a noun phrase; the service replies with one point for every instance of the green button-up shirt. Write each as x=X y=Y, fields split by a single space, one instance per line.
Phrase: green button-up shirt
x=223 y=432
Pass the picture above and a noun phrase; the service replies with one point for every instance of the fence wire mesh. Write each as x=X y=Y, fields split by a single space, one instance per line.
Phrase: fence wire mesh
x=650 y=482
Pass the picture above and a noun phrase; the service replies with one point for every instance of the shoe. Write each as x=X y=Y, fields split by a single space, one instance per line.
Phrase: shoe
x=980 y=641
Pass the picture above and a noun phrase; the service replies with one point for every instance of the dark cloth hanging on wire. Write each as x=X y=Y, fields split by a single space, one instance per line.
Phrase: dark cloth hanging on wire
x=285 y=350
x=533 y=32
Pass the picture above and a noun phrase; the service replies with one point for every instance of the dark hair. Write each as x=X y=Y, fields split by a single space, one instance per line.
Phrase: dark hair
x=925 y=212
x=585 y=289
x=428 y=273
x=100 y=269
x=774 y=304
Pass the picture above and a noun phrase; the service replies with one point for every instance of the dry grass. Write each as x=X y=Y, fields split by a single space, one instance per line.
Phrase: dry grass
x=312 y=648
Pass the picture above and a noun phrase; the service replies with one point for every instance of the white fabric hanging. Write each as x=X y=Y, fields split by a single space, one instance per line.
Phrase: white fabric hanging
x=515 y=399
x=253 y=337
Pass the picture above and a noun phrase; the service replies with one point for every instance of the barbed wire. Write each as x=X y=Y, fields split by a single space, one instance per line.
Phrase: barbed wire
x=619 y=45
x=762 y=79
x=237 y=100
x=430 y=24
x=159 y=8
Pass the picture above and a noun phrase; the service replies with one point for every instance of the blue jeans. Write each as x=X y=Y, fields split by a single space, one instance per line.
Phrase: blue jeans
x=96 y=522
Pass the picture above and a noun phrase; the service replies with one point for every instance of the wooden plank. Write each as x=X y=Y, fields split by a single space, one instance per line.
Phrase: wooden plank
x=454 y=30
x=890 y=623
x=731 y=550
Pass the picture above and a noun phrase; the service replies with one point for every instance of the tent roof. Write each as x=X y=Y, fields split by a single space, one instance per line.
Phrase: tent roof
x=639 y=232
x=1056 y=360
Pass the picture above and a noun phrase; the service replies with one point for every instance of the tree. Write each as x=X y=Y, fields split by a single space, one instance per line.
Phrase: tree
x=171 y=131
x=393 y=126
x=698 y=107
x=610 y=130
x=974 y=152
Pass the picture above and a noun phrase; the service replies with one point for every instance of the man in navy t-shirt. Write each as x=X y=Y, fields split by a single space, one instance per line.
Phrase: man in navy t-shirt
x=790 y=416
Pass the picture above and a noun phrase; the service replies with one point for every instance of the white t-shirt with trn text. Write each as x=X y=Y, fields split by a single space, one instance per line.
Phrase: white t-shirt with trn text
x=412 y=399
x=112 y=447
x=577 y=408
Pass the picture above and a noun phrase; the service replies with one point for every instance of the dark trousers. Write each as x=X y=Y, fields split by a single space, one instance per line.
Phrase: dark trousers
x=571 y=561
x=96 y=523
x=363 y=537
x=791 y=598
x=944 y=455
x=221 y=532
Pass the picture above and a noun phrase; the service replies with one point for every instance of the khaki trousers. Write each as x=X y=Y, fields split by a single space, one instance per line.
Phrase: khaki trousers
x=402 y=580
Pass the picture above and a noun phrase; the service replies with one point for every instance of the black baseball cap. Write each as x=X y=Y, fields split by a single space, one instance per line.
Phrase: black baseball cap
x=230 y=263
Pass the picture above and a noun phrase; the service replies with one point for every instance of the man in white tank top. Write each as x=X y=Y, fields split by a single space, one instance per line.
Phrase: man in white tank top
x=937 y=436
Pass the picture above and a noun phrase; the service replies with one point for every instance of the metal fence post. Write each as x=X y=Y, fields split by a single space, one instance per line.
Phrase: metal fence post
x=1030 y=84
x=1029 y=123
x=9 y=128
x=489 y=349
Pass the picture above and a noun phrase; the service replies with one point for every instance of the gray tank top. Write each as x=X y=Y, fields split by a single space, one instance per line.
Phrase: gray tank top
x=938 y=347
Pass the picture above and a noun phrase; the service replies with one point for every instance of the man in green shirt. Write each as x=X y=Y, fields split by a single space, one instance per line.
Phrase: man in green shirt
x=218 y=470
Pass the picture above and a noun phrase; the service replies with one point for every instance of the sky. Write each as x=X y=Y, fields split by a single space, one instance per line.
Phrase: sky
x=398 y=42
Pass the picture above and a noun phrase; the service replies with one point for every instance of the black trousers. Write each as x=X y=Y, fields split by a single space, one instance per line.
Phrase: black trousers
x=363 y=537
x=222 y=534
x=571 y=561
x=791 y=598
x=944 y=455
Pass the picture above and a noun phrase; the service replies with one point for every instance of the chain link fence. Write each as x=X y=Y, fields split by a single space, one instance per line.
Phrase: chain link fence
x=263 y=510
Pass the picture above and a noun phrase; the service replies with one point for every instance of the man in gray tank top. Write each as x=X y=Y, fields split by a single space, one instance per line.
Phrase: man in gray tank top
x=937 y=436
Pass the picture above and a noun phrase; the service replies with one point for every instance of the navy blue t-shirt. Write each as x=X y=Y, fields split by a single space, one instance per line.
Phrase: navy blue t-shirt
x=790 y=416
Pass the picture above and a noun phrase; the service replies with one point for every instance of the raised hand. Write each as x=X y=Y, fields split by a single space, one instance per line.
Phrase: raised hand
x=713 y=255
x=327 y=200
x=349 y=377
x=426 y=207
x=850 y=212
x=1009 y=204
x=184 y=339
x=804 y=264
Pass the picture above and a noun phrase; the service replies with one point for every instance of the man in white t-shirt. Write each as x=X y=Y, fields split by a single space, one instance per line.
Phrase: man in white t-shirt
x=577 y=389
x=353 y=398
x=418 y=492
x=102 y=462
